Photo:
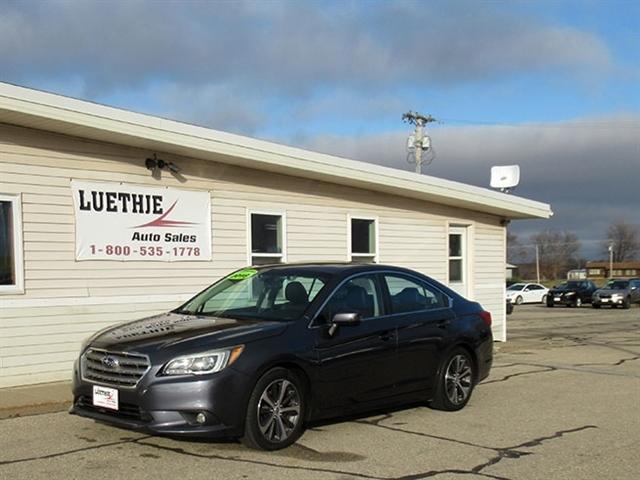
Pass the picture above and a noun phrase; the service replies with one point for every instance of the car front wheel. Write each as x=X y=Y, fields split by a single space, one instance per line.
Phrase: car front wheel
x=518 y=300
x=544 y=299
x=577 y=302
x=275 y=413
x=456 y=381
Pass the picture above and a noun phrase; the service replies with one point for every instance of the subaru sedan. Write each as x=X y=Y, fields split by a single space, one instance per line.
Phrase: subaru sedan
x=266 y=350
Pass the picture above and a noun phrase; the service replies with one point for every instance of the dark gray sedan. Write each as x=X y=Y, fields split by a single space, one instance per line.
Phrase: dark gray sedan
x=267 y=349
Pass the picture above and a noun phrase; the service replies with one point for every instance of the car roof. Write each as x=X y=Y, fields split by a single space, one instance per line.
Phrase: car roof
x=334 y=268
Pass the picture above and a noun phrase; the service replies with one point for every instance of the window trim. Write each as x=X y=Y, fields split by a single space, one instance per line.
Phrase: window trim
x=350 y=255
x=283 y=255
x=18 y=245
x=464 y=257
x=313 y=325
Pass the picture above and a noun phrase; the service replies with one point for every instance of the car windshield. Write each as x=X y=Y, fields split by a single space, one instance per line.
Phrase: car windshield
x=516 y=287
x=617 y=284
x=273 y=294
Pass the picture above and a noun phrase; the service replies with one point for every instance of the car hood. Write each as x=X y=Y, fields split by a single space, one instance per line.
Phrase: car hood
x=563 y=290
x=183 y=332
x=611 y=291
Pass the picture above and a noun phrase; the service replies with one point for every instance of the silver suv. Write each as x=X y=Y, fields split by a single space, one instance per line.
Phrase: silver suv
x=617 y=292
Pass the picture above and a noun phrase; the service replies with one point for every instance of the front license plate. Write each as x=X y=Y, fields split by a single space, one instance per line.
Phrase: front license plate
x=604 y=300
x=557 y=299
x=105 y=397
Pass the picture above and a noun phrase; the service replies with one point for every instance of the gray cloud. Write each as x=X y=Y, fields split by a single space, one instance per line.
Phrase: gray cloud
x=588 y=169
x=291 y=48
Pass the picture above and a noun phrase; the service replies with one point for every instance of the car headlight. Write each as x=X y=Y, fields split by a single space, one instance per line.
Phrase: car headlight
x=570 y=293
x=201 y=363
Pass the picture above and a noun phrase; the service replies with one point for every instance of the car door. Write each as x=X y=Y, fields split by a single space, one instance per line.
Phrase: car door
x=357 y=363
x=634 y=290
x=423 y=318
x=528 y=293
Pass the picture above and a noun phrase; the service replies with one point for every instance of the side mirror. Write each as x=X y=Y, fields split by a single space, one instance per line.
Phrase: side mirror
x=526 y=289
x=344 y=320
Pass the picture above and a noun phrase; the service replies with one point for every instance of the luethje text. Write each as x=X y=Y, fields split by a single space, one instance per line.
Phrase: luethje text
x=97 y=201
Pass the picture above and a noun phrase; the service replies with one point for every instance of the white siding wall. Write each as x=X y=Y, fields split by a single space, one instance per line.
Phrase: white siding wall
x=65 y=300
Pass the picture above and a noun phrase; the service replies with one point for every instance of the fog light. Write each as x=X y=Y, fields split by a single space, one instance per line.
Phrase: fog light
x=201 y=418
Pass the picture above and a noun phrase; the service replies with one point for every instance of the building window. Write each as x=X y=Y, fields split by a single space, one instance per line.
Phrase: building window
x=363 y=242
x=456 y=256
x=267 y=238
x=595 y=272
x=11 y=266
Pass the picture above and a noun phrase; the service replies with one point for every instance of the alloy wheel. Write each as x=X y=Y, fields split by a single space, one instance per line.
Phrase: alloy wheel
x=458 y=379
x=278 y=410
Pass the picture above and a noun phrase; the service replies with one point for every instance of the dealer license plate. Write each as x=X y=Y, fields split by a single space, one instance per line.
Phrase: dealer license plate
x=105 y=397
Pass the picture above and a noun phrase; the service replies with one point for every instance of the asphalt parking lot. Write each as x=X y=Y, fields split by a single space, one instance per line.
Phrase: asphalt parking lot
x=562 y=401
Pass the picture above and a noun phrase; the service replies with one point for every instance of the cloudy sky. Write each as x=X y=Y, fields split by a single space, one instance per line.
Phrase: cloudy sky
x=553 y=86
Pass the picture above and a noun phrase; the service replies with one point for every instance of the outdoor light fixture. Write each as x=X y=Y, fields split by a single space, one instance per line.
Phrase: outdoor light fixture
x=156 y=164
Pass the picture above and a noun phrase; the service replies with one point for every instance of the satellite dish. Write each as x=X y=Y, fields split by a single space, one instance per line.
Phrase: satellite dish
x=505 y=177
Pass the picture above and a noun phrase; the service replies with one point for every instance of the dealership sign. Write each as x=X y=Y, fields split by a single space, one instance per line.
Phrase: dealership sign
x=122 y=222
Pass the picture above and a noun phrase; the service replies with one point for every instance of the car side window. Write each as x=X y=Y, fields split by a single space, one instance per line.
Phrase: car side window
x=357 y=295
x=410 y=295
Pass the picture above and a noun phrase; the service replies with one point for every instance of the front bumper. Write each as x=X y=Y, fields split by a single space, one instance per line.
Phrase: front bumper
x=169 y=405
x=608 y=301
x=562 y=300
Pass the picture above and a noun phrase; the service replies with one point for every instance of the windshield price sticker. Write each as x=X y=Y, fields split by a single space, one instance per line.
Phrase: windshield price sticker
x=132 y=223
x=242 y=274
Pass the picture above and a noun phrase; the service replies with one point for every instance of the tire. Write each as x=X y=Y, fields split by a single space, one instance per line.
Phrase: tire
x=577 y=302
x=627 y=303
x=275 y=412
x=455 y=382
x=544 y=299
x=550 y=303
x=596 y=305
x=519 y=300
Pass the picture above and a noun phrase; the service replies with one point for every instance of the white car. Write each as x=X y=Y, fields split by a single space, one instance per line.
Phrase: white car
x=520 y=293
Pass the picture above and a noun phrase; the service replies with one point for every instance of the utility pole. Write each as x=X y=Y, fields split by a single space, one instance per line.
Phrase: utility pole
x=537 y=264
x=611 y=260
x=418 y=142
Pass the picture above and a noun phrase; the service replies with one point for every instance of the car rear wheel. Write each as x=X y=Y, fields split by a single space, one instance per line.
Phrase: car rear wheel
x=275 y=413
x=456 y=381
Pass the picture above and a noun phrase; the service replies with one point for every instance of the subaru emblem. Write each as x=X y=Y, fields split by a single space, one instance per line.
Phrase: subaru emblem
x=110 y=362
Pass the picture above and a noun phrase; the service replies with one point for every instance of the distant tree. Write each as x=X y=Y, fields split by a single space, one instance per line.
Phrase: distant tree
x=516 y=252
x=625 y=239
x=558 y=252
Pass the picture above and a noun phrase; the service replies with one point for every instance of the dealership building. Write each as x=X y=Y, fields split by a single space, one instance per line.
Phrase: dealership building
x=108 y=215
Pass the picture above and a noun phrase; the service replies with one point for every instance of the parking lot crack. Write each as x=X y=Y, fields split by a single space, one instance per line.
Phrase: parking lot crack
x=71 y=452
x=544 y=369
x=513 y=453
x=248 y=461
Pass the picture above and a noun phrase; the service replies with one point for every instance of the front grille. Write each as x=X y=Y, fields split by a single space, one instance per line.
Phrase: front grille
x=125 y=410
x=119 y=369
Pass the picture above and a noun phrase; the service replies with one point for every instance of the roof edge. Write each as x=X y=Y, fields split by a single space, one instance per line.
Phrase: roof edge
x=100 y=122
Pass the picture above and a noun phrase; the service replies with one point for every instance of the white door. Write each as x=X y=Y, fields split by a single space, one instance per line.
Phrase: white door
x=458 y=260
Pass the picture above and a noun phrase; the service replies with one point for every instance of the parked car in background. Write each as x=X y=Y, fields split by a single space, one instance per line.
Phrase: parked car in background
x=617 y=293
x=572 y=293
x=520 y=293
x=267 y=349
